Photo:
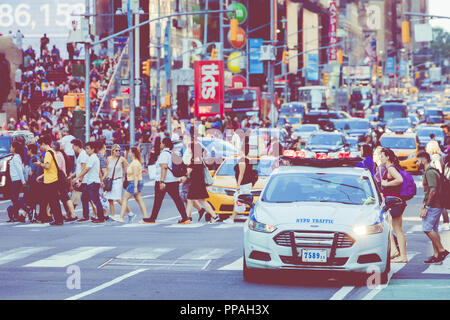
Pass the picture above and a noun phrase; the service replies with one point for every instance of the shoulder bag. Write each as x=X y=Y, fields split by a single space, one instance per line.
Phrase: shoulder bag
x=108 y=182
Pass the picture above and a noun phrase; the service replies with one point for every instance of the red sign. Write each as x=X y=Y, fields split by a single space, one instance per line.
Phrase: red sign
x=333 y=31
x=208 y=88
x=125 y=91
x=238 y=82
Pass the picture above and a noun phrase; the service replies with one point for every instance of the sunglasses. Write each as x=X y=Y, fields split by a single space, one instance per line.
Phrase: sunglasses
x=117 y=150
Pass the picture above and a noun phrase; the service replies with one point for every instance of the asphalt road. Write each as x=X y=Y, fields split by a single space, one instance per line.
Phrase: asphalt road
x=198 y=261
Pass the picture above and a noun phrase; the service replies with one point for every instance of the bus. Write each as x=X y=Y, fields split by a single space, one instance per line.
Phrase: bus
x=315 y=97
x=391 y=110
x=242 y=102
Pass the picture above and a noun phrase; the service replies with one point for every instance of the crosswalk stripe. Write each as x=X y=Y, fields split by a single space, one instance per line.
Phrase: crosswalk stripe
x=19 y=253
x=228 y=226
x=144 y=253
x=69 y=257
x=205 y=254
x=189 y=225
x=234 y=266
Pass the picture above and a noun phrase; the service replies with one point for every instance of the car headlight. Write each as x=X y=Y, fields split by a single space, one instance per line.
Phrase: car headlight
x=260 y=227
x=2 y=166
x=366 y=230
x=214 y=189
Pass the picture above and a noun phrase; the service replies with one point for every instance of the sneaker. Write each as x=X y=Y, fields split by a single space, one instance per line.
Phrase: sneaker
x=201 y=213
x=147 y=221
x=443 y=255
x=187 y=221
x=131 y=217
x=445 y=227
x=228 y=221
x=83 y=219
x=54 y=223
x=98 y=221
x=118 y=219
x=72 y=219
x=432 y=260
x=214 y=220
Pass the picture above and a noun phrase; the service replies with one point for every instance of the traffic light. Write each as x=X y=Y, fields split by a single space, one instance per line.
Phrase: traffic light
x=285 y=57
x=233 y=29
x=405 y=32
x=325 y=78
x=146 y=67
x=214 y=54
x=167 y=100
x=340 y=56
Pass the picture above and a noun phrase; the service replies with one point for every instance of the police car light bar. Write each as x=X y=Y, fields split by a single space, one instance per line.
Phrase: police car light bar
x=322 y=163
x=318 y=156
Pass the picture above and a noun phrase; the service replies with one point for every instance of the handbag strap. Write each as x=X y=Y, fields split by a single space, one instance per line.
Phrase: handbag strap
x=114 y=170
x=56 y=164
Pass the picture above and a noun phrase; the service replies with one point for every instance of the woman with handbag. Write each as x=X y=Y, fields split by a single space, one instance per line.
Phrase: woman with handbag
x=197 y=187
x=134 y=186
x=113 y=184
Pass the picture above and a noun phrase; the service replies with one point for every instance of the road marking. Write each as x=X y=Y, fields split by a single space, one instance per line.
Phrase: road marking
x=234 y=266
x=342 y=293
x=189 y=225
x=144 y=253
x=106 y=285
x=228 y=226
x=32 y=225
x=395 y=267
x=205 y=254
x=69 y=257
x=19 y=253
x=416 y=228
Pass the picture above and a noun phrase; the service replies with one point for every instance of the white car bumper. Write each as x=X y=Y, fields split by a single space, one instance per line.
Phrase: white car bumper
x=345 y=251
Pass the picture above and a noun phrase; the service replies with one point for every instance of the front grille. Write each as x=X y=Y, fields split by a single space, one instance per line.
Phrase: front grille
x=226 y=207
x=297 y=261
x=313 y=239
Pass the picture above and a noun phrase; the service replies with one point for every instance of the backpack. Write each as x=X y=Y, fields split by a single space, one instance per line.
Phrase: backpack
x=408 y=188
x=178 y=170
x=444 y=187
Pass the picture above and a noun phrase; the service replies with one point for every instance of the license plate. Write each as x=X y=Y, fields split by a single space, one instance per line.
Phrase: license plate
x=314 y=255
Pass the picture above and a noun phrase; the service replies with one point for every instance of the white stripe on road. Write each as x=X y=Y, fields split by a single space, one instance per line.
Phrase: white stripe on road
x=234 y=266
x=228 y=226
x=19 y=253
x=205 y=254
x=342 y=293
x=395 y=267
x=145 y=253
x=67 y=258
x=106 y=285
x=189 y=225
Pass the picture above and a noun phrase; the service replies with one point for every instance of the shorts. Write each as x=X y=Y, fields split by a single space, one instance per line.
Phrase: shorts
x=130 y=188
x=76 y=198
x=397 y=211
x=431 y=220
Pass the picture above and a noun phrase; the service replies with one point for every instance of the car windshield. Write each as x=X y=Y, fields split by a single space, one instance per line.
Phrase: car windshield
x=398 y=143
x=5 y=144
x=399 y=122
x=293 y=120
x=264 y=167
x=306 y=129
x=427 y=132
x=329 y=140
x=319 y=187
x=359 y=125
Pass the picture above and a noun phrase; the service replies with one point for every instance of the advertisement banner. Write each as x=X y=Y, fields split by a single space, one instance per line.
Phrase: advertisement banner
x=255 y=65
x=390 y=66
x=333 y=31
x=403 y=68
x=312 y=70
x=208 y=88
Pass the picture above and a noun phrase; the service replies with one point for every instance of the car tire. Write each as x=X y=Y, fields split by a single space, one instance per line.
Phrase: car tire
x=384 y=278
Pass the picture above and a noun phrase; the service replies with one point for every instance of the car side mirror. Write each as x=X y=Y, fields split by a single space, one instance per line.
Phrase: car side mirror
x=392 y=202
x=246 y=199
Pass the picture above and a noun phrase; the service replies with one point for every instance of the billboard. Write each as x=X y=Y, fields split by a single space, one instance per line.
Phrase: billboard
x=255 y=66
x=312 y=70
x=333 y=31
x=310 y=34
x=208 y=88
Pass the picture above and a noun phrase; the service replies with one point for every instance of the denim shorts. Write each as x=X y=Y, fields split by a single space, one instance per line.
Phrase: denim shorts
x=431 y=220
x=130 y=188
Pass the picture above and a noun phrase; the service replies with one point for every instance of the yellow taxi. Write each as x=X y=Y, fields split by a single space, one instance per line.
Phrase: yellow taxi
x=221 y=192
x=405 y=147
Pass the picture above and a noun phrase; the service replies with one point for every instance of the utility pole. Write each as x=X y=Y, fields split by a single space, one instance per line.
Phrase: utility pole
x=221 y=30
x=131 y=68
x=87 y=85
x=271 y=68
x=158 y=65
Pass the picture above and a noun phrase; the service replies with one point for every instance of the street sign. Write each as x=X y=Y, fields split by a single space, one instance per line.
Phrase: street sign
x=124 y=82
x=255 y=65
x=125 y=91
x=390 y=65
x=312 y=70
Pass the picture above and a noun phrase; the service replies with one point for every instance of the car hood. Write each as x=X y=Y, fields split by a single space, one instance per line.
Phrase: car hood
x=314 y=214
x=230 y=182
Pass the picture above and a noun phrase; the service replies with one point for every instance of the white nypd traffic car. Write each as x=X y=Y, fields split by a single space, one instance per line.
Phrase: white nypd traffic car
x=318 y=217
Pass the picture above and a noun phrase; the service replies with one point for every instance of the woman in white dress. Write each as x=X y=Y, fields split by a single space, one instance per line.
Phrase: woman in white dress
x=116 y=165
